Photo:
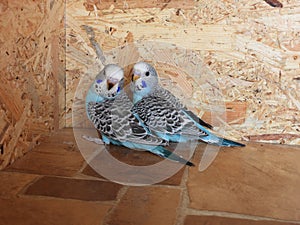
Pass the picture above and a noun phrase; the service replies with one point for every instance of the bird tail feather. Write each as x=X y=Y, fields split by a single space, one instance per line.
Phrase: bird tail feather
x=212 y=139
x=164 y=153
x=229 y=143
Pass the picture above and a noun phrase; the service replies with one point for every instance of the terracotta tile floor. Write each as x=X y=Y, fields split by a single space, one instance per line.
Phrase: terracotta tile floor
x=256 y=185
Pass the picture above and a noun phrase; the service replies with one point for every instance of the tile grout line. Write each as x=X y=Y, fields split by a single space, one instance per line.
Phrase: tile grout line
x=80 y=175
x=25 y=187
x=88 y=177
x=196 y=212
x=176 y=187
x=184 y=199
x=119 y=197
x=84 y=165
x=45 y=197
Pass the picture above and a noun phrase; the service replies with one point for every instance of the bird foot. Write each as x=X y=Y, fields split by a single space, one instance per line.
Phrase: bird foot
x=98 y=141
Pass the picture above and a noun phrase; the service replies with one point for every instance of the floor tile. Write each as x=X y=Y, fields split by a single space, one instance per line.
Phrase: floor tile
x=12 y=183
x=214 y=220
x=133 y=157
x=133 y=167
x=88 y=190
x=147 y=206
x=174 y=180
x=65 y=163
x=89 y=171
x=260 y=179
x=63 y=135
x=28 y=211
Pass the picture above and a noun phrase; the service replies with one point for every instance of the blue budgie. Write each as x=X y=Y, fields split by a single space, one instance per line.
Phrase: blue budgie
x=109 y=109
x=164 y=114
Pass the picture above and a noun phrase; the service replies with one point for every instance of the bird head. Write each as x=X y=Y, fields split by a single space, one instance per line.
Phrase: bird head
x=109 y=82
x=144 y=79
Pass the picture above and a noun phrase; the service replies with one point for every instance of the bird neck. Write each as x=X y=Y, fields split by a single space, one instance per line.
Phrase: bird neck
x=136 y=98
x=93 y=97
x=139 y=95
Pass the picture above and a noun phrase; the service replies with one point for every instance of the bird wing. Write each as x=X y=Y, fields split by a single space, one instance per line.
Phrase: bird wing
x=168 y=96
x=100 y=115
x=115 y=119
x=161 y=116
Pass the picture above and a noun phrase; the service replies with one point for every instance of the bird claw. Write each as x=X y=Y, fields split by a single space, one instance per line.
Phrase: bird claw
x=98 y=141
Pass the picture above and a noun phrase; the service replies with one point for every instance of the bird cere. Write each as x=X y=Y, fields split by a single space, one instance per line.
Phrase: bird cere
x=151 y=121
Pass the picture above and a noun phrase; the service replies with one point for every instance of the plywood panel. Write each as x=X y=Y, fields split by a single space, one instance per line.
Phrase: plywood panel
x=251 y=48
x=32 y=74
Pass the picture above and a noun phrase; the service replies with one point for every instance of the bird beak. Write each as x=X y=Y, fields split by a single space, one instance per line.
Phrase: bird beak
x=135 y=75
x=110 y=84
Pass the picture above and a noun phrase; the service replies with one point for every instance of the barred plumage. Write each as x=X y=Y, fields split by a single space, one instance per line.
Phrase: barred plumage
x=110 y=112
x=164 y=114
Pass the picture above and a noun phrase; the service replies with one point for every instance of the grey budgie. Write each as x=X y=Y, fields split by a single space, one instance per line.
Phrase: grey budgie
x=109 y=109
x=164 y=114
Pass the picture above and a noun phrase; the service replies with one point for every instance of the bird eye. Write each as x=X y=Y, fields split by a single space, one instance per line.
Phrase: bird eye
x=147 y=73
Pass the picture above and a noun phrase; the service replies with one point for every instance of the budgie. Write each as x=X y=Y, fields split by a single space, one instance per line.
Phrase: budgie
x=164 y=114
x=109 y=109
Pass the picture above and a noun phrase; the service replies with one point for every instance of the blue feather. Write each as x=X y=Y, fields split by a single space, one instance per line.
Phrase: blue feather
x=92 y=97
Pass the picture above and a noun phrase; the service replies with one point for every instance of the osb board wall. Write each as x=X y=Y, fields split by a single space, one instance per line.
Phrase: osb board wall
x=252 y=49
x=32 y=74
